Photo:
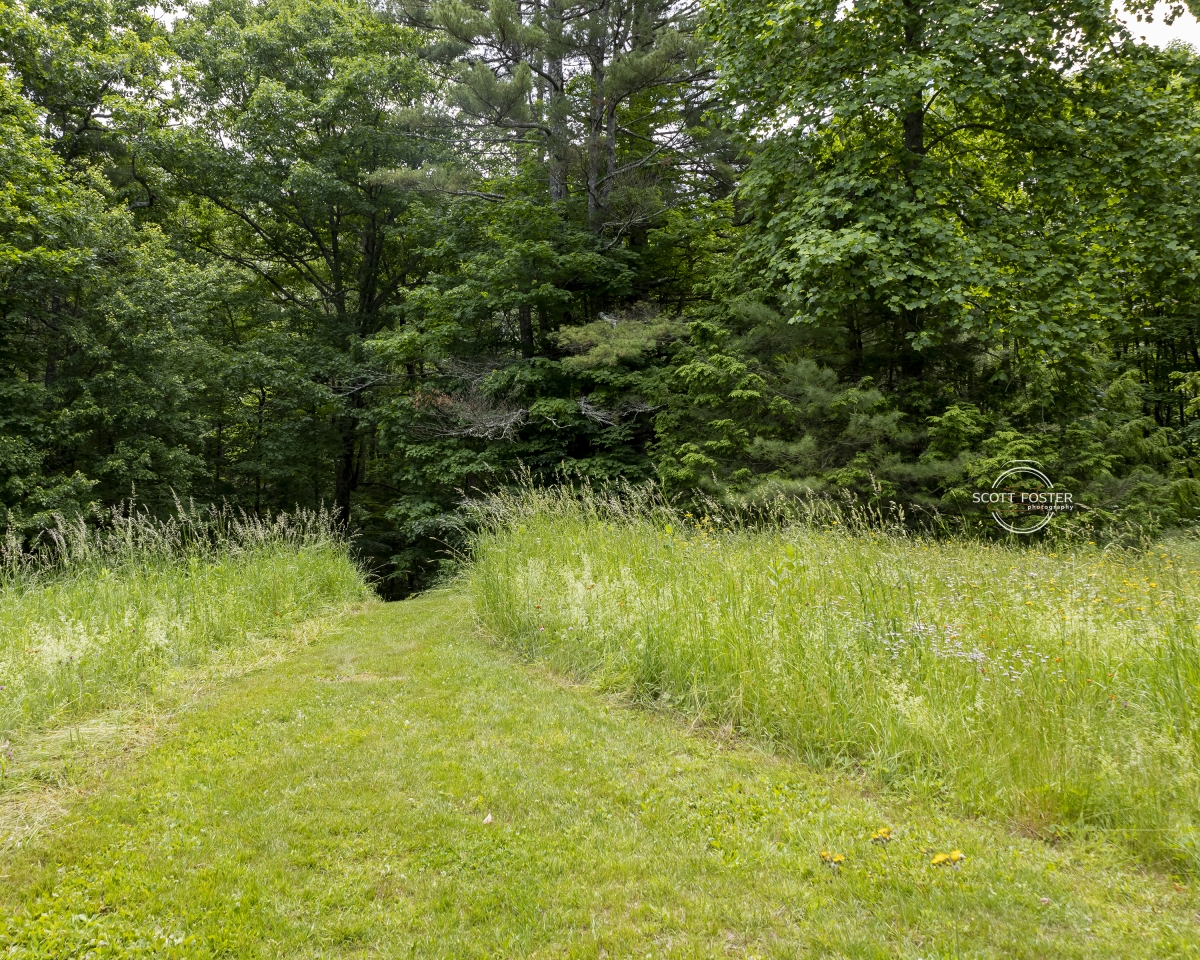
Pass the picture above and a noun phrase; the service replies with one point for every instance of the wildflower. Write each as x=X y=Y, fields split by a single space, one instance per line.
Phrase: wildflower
x=832 y=860
x=882 y=835
x=940 y=859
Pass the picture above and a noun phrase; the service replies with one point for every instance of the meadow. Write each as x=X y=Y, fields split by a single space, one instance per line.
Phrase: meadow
x=96 y=617
x=386 y=779
x=1053 y=686
x=401 y=787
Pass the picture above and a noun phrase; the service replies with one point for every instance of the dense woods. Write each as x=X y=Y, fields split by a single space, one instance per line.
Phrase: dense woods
x=374 y=256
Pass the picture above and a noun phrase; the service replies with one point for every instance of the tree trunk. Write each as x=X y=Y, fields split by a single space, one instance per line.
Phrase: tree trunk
x=559 y=136
x=610 y=149
x=914 y=135
x=595 y=133
x=525 y=326
x=347 y=465
x=914 y=114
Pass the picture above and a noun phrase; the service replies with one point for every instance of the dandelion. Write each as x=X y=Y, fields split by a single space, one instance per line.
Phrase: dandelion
x=832 y=860
x=882 y=836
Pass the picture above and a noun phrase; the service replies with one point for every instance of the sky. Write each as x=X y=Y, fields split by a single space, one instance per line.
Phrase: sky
x=1158 y=33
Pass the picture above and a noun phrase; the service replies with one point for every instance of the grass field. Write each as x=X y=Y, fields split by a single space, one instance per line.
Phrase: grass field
x=402 y=785
x=404 y=788
x=99 y=619
x=1055 y=689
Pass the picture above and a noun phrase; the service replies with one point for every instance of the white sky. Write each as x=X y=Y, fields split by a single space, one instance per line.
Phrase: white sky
x=1158 y=33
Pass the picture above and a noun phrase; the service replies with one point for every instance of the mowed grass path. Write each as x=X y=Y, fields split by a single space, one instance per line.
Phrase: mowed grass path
x=338 y=804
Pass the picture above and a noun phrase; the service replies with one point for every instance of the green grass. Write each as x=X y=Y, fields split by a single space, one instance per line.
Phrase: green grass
x=101 y=619
x=337 y=804
x=1054 y=689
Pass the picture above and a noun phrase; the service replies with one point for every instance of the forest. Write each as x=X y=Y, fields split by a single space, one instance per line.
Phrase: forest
x=378 y=257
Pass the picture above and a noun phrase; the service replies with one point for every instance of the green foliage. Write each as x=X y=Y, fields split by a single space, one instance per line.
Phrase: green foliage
x=95 y=388
x=931 y=152
x=962 y=224
x=94 y=72
x=308 y=252
x=294 y=107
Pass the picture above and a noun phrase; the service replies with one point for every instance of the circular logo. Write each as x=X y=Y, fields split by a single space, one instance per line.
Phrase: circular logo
x=1024 y=486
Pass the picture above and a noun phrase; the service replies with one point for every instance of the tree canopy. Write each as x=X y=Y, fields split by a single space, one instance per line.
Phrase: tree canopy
x=381 y=255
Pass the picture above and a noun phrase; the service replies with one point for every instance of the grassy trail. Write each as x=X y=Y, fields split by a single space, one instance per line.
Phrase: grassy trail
x=402 y=788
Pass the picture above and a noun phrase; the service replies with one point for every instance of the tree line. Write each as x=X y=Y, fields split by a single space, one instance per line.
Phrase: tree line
x=377 y=255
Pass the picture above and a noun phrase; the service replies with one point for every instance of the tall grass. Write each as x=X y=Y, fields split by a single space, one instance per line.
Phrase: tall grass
x=94 y=617
x=1056 y=687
